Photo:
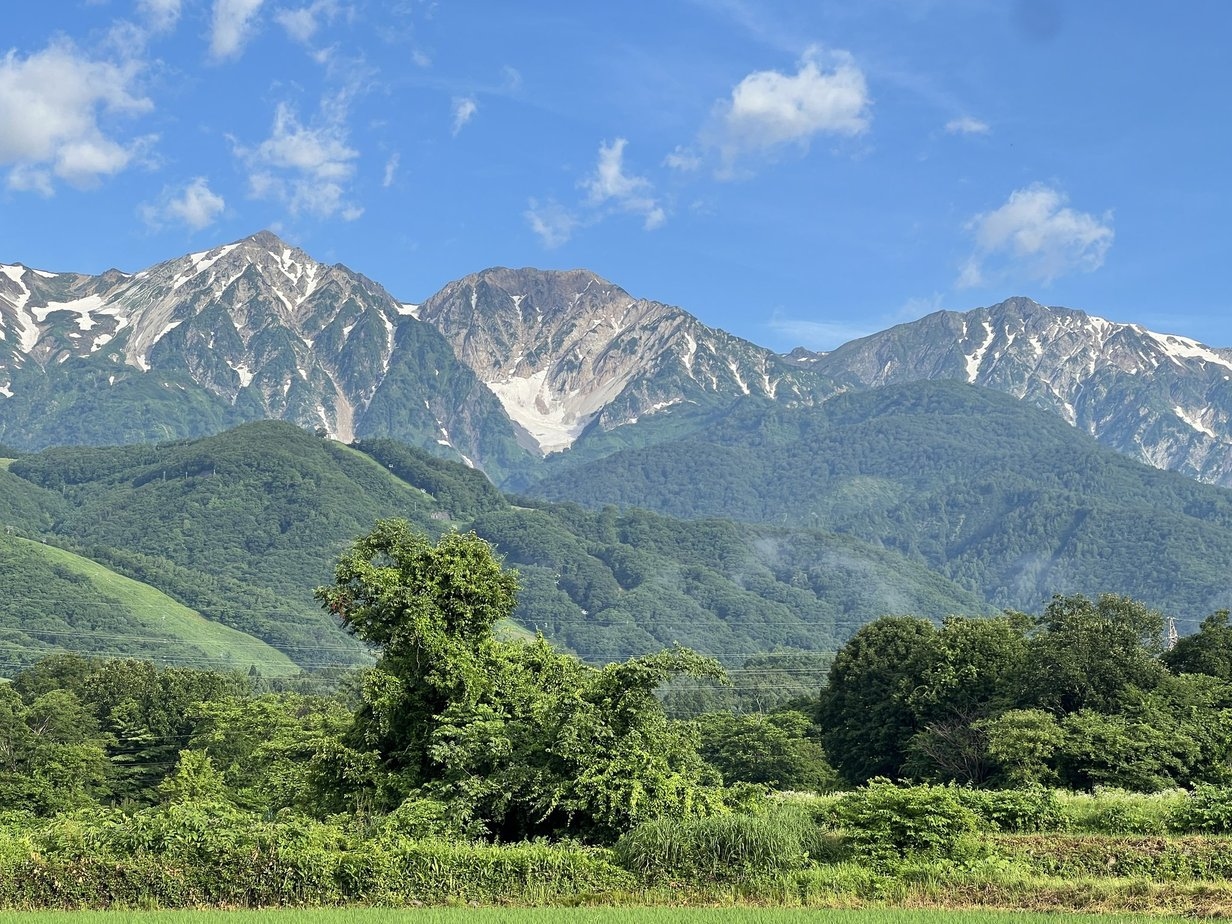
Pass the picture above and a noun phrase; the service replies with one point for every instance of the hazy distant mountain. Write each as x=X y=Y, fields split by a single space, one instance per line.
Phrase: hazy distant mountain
x=1161 y=398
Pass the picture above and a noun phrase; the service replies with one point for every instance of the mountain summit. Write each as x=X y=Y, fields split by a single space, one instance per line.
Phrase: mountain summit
x=1162 y=398
x=564 y=350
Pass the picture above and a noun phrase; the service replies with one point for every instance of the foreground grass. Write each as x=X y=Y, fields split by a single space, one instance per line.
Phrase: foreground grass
x=624 y=915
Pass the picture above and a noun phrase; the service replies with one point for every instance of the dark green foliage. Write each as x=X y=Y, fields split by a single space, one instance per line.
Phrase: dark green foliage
x=1005 y=500
x=1089 y=653
x=1207 y=810
x=1207 y=651
x=146 y=712
x=780 y=750
x=461 y=492
x=884 y=822
x=516 y=738
x=1078 y=696
x=865 y=711
x=1015 y=811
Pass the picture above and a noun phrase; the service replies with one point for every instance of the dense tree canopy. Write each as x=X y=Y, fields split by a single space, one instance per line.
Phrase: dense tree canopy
x=1082 y=696
x=515 y=738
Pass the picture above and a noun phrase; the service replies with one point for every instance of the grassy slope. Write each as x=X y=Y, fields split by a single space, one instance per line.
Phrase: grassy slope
x=137 y=617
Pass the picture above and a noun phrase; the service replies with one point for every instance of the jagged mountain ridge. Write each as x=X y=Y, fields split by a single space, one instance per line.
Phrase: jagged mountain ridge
x=567 y=350
x=1161 y=398
x=506 y=366
x=254 y=329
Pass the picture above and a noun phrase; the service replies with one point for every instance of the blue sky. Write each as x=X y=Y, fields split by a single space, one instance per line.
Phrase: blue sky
x=794 y=172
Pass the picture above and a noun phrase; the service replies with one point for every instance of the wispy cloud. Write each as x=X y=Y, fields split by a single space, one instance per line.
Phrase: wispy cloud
x=551 y=221
x=391 y=170
x=966 y=125
x=307 y=167
x=769 y=110
x=1035 y=235
x=162 y=15
x=194 y=205
x=302 y=23
x=50 y=103
x=683 y=159
x=610 y=185
x=609 y=190
x=232 y=25
x=464 y=109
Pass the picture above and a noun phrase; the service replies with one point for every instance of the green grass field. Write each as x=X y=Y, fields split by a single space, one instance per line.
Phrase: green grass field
x=627 y=915
x=163 y=617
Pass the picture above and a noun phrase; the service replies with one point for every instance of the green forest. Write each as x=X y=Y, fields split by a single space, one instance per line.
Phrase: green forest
x=1007 y=502
x=1069 y=760
x=239 y=527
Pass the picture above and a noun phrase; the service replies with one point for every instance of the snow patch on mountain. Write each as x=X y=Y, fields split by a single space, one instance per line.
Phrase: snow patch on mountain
x=1193 y=421
x=1182 y=348
x=555 y=422
x=974 y=359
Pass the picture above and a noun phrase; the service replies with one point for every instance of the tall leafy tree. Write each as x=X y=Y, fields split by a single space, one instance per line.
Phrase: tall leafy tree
x=866 y=709
x=1093 y=654
x=516 y=738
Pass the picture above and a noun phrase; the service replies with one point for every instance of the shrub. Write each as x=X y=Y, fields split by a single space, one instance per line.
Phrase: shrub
x=885 y=822
x=1017 y=811
x=725 y=847
x=1206 y=810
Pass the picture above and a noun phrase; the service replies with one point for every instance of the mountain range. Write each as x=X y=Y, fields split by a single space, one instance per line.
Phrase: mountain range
x=505 y=367
x=960 y=463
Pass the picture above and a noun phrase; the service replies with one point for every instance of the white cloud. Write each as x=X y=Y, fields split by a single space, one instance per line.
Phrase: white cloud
x=553 y=222
x=307 y=167
x=683 y=159
x=609 y=189
x=50 y=106
x=420 y=58
x=610 y=184
x=162 y=15
x=464 y=108
x=1035 y=235
x=303 y=23
x=194 y=205
x=232 y=24
x=768 y=109
x=966 y=125
x=391 y=170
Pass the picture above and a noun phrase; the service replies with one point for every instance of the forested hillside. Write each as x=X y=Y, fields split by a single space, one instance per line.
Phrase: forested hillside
x=1006 y=501
x=242 y=526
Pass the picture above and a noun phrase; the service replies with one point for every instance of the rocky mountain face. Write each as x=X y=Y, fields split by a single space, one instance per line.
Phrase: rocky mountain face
x=250 y=330
x=568 y=352
x=1161 y=398
x=506 y=367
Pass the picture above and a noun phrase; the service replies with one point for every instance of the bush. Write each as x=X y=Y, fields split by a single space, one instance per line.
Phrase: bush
x=1017 y=811
x=198 y=854
x=732 y=847
x=885 y=822
x=1206 y=810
